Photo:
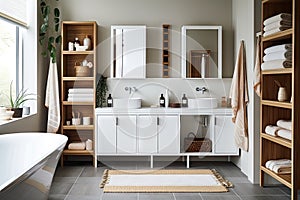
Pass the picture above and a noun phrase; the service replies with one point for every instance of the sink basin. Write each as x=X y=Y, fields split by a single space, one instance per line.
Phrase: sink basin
x=129 y=103
x=207 y=102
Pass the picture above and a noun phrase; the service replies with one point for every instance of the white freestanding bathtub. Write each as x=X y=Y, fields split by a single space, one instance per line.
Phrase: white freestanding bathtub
x=27 y=164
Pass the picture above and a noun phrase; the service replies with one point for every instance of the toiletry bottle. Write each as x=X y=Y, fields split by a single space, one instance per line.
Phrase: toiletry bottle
x=184 y=101
x=87 y=42
x=76 y=42
x=162 y=100
x=109 y=101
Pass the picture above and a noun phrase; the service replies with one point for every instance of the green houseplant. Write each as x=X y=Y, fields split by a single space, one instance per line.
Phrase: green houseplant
x=101 y=90
x=15 y=103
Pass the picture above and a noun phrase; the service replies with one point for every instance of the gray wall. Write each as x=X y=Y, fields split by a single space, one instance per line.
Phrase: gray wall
x=153 y=14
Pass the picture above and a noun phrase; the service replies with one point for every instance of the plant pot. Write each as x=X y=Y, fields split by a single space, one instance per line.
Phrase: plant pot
x=18 y=112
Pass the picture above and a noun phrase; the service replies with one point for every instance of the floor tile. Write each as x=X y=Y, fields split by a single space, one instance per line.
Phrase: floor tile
x=56 y=197
x=83 y=197
x=60 y=188
x=221 y=197
x=119 y=196
x=68 y=171
x=244 y=189
x=265 y=198
x=156 y=196
x=88 y=189
x=92 y=171
x=187 y=196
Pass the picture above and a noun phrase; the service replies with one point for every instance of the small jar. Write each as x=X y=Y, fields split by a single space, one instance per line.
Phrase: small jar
x=87 y=42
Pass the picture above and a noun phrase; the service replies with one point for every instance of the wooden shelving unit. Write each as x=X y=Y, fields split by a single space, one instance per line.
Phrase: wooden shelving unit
x=273 y=147
x=165 y=51
x=69 y=80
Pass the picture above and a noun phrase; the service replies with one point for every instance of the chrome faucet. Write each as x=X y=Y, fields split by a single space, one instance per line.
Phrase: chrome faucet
x=202 y=90
x=130 y=89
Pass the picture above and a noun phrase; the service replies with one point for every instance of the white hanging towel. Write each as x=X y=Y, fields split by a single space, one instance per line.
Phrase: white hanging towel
x=239 y=100
x=52 y=99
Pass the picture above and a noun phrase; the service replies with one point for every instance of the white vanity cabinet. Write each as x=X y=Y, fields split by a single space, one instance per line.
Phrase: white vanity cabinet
x=224 y=136
x=126 y=134
x=106 y=134
x=147 y=134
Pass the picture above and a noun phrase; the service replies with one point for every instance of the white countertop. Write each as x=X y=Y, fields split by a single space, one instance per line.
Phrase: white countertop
x=174 y=111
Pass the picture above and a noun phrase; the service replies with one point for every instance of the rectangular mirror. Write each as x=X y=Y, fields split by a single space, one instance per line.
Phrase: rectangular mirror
x=128 y=51
x=201 y=51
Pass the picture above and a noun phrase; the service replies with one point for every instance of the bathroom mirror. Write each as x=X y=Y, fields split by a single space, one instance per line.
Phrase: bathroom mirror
x=128 y=51
x=201 y=51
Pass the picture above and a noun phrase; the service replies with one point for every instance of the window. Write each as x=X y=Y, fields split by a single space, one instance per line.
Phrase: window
x=10 y=59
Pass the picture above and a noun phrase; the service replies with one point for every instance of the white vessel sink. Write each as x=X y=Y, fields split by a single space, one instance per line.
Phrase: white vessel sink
x=207 y=102
x=129 y=103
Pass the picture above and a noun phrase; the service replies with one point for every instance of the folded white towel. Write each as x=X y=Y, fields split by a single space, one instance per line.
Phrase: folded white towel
x=277 y=24
x=81 y=90
x=287 y=55
x=275 y=30
x=80 y=99
x=81 y=95
x=286 y=124
x=270 y=163
x=77 y=146
x=281 y=16
x=276 y=64
x=276 y=48
x=286 y=134
x=271 y=130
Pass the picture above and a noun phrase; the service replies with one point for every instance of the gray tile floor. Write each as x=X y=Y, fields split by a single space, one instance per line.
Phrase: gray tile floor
x=82 y=183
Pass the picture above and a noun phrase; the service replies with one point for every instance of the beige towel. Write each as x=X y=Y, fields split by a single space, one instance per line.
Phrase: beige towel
x=52 y=99
x=77 y=146
x=239 y=100
x=257 y=71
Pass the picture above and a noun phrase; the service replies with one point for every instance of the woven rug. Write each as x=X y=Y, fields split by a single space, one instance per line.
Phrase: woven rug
x=154 y=181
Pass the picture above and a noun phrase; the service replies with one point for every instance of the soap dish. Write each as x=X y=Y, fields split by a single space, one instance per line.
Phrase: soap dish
x=175 y=105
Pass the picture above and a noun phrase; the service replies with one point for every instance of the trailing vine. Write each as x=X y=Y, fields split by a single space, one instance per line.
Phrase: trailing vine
x=101 y=90
x=49 y=35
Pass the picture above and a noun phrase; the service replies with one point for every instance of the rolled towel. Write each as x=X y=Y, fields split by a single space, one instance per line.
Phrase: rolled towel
x=287 y=55
x=276 y=64
x=282 y=169
x=272 y=130
x=286 y=124
x=276 y=48
x=275 y=30
x=281 y=16
x=270 y=163
x=286 y=134
x=77 y=146
x=277 y=24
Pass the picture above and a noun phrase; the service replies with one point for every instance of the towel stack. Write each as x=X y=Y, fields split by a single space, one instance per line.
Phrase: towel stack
x=81 y=95
x=282 y=129
x=277 y=57
x=280 y=166
x=277 y=23
x=76 y=146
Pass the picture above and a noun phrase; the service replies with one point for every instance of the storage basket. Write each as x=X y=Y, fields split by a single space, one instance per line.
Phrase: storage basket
x=81 y=70
x=193 y=144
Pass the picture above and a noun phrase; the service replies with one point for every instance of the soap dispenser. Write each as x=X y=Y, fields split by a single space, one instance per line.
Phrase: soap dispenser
x=162 y=100
x=109 y=101
x=184 y=101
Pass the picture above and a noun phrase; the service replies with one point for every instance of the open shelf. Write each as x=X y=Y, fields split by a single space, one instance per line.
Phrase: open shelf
x=77 y=52
x=78 y=152
x=71 y=103
x=277 y=104
x=78 y=78
x=278 y=71
x=79 y=127
x=282 y=178
x=278 y=140
x=278 y=36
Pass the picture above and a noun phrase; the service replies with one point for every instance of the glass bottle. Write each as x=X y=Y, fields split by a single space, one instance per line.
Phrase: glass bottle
x=184 y=101
x=162 y=100
x=109 y=101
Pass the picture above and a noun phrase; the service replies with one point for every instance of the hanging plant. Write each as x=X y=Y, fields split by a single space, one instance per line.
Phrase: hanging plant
x=49 y=35
x=101 y=90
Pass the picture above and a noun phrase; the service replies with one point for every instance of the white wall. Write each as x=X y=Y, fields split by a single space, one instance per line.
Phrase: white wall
x=243 y=16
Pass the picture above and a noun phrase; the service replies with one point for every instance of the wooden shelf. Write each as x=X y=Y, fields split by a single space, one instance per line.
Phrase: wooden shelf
x=278 y=140
x=282 y=178
x=278 y=36
x=69 y=103
x=77 y=52
x=79 y=127
x=277 y=104
x=278 y=71
x=78 y=78
x=78 y=152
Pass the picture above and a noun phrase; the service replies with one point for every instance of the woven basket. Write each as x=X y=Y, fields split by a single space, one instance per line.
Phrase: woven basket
x=81 y=70
x=193 y=144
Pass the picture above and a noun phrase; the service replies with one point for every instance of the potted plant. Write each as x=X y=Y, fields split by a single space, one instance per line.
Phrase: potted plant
x=16 y=103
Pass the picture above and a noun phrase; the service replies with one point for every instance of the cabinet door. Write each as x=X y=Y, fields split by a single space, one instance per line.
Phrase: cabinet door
x=126 y=134
x=106 y=130
x=224 y=136
x=168 y=135
x=147 y=134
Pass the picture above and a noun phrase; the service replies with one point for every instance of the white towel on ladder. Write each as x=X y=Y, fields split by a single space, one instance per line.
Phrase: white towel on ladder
x=52 y=99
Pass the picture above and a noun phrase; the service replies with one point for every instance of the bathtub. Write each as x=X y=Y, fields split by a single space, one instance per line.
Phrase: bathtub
x=27 y=164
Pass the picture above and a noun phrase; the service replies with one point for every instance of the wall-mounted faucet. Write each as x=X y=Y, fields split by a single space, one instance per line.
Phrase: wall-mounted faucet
x=202 y=90
x=130 y=89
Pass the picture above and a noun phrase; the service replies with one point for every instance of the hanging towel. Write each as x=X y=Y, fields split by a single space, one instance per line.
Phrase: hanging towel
x=52 y=99
x=257 y=71
x=276 y=48
x=286 y=124
x=239 y=100
x=281 y=16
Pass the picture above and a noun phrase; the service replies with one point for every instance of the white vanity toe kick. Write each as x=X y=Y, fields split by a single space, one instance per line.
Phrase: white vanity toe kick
x=177 y=111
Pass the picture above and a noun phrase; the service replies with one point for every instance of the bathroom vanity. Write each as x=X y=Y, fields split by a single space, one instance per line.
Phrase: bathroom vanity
x=161 y=131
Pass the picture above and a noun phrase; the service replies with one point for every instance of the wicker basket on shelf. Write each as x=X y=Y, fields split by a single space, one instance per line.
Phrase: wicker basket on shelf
x=193 y=144
x=81 y=70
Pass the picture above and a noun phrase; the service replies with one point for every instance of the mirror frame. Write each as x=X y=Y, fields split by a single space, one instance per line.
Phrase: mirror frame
x=183 y=48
